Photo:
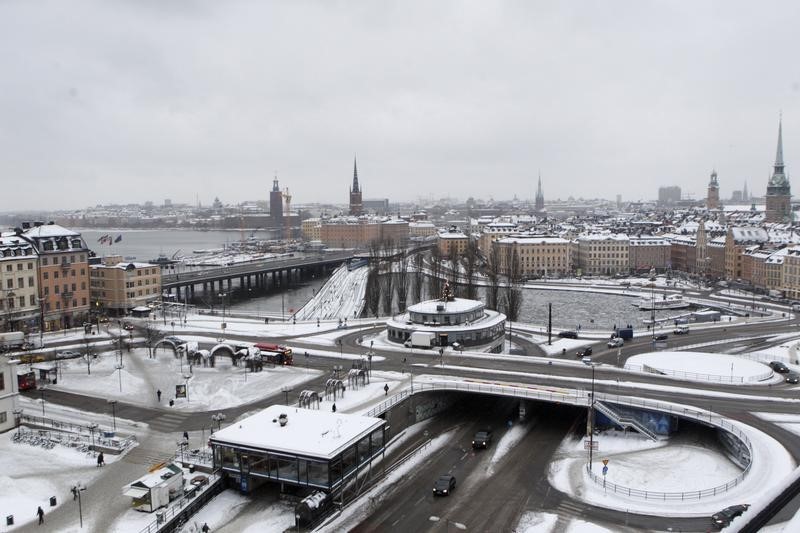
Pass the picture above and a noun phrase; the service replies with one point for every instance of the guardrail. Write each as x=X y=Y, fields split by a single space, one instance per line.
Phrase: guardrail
x=583 y=398
x=177 y=512
x=694 y=376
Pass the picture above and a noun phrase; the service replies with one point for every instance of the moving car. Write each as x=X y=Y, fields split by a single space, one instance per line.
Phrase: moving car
x=779 y=367
x=723 y=518
x=583 y=352
x=793 y=378
x=681 y=330
x=482 y=438
x=568 y=334
x=127 y=326
x=662 y=337
x=444 y=485
x=616 y=342
x=67 y=354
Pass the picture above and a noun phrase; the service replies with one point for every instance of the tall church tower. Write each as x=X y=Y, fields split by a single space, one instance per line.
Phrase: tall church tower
x=356 y=205
x=539 y=202
x=276 y=204
x=779 y=193
x=712 y=199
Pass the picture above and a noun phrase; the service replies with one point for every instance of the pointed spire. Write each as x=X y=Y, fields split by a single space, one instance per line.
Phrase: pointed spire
x=779 y=153
x=355 y=175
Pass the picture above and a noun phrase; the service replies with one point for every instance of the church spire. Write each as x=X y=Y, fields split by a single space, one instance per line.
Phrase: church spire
x=355 y=176
x=779 y=153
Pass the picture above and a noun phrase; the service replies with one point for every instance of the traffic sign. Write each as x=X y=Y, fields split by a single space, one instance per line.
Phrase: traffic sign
x=605 y=470
x=605 y=462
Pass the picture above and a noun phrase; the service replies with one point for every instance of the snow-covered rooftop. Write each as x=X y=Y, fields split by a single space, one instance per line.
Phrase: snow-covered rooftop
x=456 y=305
x=308 y=432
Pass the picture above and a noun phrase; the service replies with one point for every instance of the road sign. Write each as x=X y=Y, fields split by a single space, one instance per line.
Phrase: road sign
x=605 y=470
x=590 y=444
x=605 y=462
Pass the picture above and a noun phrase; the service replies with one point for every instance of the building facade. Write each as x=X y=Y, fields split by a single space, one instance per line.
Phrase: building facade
x=603 y=254
x=117 y=287
x=63 y=275
x=537 y=256
x=645 y=253
x=19 y=285
x=712 y=198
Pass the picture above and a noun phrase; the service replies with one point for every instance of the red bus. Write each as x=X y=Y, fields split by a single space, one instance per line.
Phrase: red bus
x=26 y=381
x=275 y=353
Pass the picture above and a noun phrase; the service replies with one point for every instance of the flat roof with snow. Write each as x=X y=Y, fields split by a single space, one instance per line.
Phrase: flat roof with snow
x=308 y=432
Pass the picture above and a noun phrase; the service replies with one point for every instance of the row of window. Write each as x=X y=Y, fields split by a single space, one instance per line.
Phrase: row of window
x=10 y=268
x=63 y=259
x=8 y=252
x=57 y=289
x=10 y=302
x=47 y=306
x=61 y=244
x=20 y=283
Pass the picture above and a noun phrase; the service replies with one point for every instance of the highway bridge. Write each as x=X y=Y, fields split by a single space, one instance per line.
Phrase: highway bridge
x=253 y=274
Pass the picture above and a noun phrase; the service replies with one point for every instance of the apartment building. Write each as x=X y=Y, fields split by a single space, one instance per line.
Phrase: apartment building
x=453 y=241
x=19 y=284
x=310 y=228
x=603 y=254
x=117 y=287
x=537 y=255
x=63 y=275
x=645 y=253
x=352 y=232
x=494 y=231
x=9 y=394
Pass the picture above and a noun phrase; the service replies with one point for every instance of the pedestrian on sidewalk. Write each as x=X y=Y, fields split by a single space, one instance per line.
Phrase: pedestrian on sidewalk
x=101 y=461
x=40 y=514
x=205 y=528
x=158 y=394
x=333 y=408
x=186 y=436
x=74 y=491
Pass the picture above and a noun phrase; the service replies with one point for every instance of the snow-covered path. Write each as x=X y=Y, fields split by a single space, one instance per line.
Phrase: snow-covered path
x=341 y=297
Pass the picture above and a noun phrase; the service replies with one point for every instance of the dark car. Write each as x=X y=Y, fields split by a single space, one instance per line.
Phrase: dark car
x=482 y=438
x=568 y=334
x=724 y=517
x=444 y=485
x=583 y=352
x=779 y=367
x=793 y=378
x=662 y=337
x=127 y=326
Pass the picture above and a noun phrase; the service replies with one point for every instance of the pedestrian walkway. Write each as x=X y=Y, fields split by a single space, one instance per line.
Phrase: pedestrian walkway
x=168 y=422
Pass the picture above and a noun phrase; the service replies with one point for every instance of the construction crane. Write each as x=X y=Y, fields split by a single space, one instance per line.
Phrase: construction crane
x=288 y=216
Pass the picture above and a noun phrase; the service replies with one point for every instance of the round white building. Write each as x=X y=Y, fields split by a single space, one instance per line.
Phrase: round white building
x=446 y=321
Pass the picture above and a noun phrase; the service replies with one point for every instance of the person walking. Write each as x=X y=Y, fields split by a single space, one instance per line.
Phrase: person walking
x=101 y=461
x=205 y=528
x=74 y=491
x=40 y=514
x=158 y=394
x=333 y=408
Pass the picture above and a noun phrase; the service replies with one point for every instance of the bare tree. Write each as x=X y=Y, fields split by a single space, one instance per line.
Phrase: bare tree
x=435 y=281
x=419 y=277
x=493 y=277
x=373 y=291
x=470 y=267
x=513 y=292
x=402 y=283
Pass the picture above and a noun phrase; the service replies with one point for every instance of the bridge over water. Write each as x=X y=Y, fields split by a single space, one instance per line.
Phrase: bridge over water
x=258 y=274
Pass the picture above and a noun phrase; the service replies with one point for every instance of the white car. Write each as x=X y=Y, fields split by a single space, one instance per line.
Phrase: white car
x=67 y=354
x=616 y=342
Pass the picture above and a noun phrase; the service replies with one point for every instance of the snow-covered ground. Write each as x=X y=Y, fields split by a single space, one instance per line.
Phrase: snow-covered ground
x=341 y=297
x=32 y=474
x=208 y=388
x=700 y=366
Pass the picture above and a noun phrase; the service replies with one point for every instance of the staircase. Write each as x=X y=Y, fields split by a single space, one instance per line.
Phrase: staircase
x=624 y=420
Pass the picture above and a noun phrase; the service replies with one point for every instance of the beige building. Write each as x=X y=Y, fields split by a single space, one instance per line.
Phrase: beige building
x=63 y=275
x=421 y=229
x=352 y=232
x=537 y=255
x=737 y=241
x=648 y=252
x=603 y=254
x=791 y=273
x=453 y=242
x=495 y=231
x=9 y=394
x=19 y=285
x=118 y=287
x=310 y=228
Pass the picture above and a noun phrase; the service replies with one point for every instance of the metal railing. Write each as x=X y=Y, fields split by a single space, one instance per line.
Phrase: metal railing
x=695 y=376
x=583 y=398
x=624 y=420
x=178 y=511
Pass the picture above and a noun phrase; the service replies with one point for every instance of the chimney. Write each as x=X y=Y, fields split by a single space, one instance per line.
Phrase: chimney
x=26 y=225
x=38 y=223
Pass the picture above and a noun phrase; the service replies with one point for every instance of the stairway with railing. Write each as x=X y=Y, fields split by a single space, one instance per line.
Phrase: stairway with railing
x=624 y=420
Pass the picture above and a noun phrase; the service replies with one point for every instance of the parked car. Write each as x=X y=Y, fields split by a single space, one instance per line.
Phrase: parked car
x=779 y=367
x=793 y=378
x=616 y=342
x=482 y=439
x=583 y=352
x=127 y=326
x=662 y=337
x=444 y=485
x=67 y=354
x=568 y=334
x=724 y=517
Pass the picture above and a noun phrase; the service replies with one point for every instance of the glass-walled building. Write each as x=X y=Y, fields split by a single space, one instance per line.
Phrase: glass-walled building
x=315 y=449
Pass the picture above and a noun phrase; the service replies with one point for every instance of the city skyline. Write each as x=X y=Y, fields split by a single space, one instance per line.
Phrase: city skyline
x=136 y=102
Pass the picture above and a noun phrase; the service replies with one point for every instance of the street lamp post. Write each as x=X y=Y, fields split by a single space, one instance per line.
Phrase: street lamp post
x=17 y=418
x=186 y=383
x=92 y=427
x=591 y=417
x=114 y=412
x=222 y=299
x=218 y=418
x=78 y=488
x=41 y=390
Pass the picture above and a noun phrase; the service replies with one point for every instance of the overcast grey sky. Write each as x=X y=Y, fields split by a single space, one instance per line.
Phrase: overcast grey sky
x=114 y=101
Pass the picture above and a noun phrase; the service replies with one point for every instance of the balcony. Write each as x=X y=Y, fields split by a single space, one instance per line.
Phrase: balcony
x=66 y=295
x=65 y=265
